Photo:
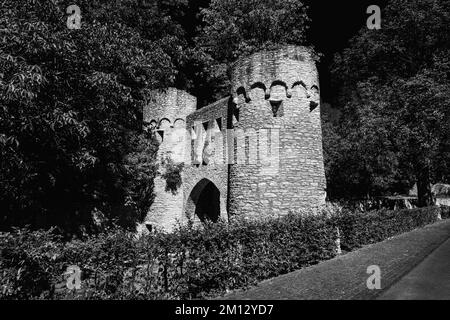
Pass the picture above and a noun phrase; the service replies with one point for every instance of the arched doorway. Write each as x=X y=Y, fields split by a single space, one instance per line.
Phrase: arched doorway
x=204 y=202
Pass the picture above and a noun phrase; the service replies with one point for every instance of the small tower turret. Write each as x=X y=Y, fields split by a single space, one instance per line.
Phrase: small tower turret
x=165 y=114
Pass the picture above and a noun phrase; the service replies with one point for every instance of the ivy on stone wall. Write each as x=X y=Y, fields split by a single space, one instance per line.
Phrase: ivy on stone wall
x=172 y=175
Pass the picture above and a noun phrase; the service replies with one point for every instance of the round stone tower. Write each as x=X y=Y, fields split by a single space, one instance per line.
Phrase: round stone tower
x=278 y=162
x=165 y=114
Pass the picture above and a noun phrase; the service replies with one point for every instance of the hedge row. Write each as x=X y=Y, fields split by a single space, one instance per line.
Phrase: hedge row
x=358 y=229
x=191 y=262
x=445 y=212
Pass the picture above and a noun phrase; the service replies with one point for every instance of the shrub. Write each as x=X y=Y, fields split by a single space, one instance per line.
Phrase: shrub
x=362 y=228
x=191 y=262
x=228 y=256
x=27 y=263
x=445 y=212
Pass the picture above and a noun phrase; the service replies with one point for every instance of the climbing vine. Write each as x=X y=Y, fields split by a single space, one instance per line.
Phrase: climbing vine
x=172 y=175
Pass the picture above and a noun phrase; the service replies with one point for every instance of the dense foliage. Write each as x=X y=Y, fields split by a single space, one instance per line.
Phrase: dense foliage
x=236 y=28
x=358 y=229
x=72 y=150
x=172 y=174
x=394 y=99
x=445 y=214
x=70 y=108
x=191 y=262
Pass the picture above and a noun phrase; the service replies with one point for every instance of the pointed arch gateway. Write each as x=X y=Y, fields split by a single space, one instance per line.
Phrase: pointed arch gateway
x=203 y=203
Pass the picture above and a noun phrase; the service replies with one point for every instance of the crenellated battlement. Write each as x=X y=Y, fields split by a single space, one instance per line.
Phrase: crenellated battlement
x=168 y=108
x=255 y=153
x=289 y=72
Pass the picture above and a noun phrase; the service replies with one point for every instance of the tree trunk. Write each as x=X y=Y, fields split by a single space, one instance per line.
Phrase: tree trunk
x=425 y=198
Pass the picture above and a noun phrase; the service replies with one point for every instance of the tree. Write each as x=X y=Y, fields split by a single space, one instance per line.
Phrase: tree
x=70 y=105
x=234 y=28
x=395 y=95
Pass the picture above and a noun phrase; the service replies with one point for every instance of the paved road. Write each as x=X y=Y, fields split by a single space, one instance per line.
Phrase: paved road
x=413 y=265
x=430 y=280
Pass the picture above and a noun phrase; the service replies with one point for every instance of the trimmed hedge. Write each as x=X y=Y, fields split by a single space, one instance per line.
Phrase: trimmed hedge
x=362 y=228
x=191 y=262
x=445 y=212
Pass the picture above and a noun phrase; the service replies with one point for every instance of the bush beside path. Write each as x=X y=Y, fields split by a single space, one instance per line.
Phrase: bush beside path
x=207 y=262
x=344 y=277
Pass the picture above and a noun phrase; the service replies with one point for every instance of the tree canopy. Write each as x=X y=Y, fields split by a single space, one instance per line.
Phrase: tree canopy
x=70 y=105
x=71 y=144
x=234 y=28
x=395 y=101
x=71 y=100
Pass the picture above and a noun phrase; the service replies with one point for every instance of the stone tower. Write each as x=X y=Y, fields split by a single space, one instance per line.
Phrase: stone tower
x=276 y=94
x=166 y=114
x=256 y=153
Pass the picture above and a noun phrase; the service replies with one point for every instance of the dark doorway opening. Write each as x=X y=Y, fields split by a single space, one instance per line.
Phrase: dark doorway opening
x=205 y=198
x=208 y=205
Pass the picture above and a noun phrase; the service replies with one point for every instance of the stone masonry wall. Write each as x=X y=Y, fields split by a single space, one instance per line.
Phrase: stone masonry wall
x=278 y=91
x=166 y=114
x=259 y=152
x=207 y=130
